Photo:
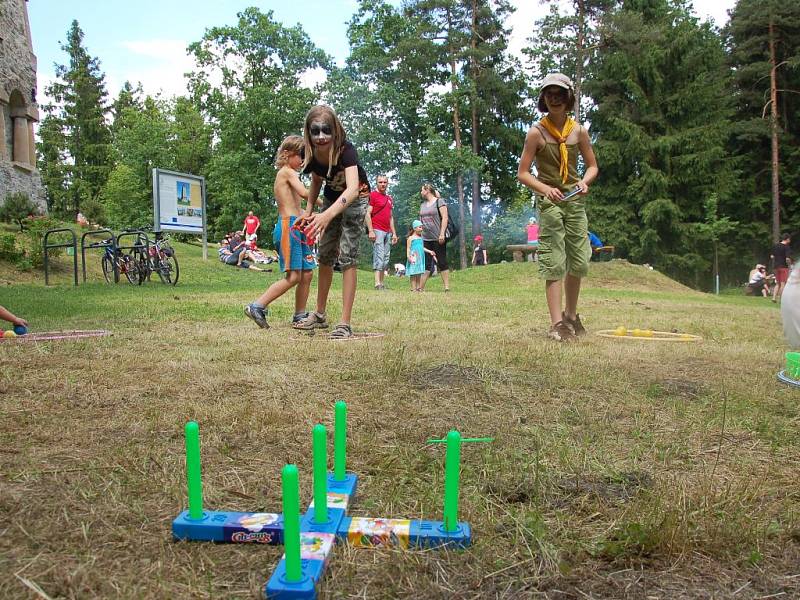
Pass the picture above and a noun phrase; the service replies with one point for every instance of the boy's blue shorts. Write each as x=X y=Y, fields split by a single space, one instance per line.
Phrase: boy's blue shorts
x=293 y=253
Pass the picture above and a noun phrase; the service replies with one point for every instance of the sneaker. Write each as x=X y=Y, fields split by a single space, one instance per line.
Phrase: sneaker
x=575 y=323
x=258 y=314
x=299 y=317
x=314 y=320
x=561 y=332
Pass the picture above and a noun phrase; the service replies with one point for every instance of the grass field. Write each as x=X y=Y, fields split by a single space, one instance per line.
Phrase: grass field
x=620 y=469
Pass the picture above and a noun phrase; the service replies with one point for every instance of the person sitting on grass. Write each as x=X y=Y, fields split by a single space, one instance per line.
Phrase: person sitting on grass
x=237 y=258
x=294 y=252
x=7 y=315
x=759 y=281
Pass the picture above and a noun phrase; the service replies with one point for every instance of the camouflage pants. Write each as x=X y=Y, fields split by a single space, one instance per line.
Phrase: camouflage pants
x=342 y=237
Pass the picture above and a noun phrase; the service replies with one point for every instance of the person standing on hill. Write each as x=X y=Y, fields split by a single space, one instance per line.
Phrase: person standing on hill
x=251 y=225
x=479 y=256
x=434 y=217
x=553 y=144
x=782 y=264
x=380 y=229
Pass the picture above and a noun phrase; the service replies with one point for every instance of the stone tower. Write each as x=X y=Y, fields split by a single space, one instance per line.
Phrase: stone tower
x=18 y=109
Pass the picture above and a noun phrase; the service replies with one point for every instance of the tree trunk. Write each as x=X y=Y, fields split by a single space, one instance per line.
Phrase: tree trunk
x=773 y=95
x=462 y=249
x=579 y=51
x=476 y=178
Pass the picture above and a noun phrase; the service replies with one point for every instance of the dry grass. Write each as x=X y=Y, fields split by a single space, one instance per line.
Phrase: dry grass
x=620 y=469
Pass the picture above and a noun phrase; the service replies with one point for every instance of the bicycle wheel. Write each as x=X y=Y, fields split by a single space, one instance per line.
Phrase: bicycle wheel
x=168 y=269
x=108 y=268
x=131 y=269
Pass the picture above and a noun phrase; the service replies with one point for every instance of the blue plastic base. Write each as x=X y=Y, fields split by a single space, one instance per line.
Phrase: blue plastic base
x=278 y=588
x=236 y=527
x=403 y=533
x=315 y=551
x=431 y=534
x=347 y=485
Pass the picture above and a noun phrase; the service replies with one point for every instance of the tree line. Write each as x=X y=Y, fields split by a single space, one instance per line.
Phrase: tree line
x=695 y=128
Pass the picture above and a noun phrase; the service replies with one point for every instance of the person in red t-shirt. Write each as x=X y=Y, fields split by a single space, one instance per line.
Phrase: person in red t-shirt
x=251 y=225
x=380 y=229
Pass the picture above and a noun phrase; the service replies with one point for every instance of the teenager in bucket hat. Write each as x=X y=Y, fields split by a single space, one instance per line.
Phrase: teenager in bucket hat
x=553 y=145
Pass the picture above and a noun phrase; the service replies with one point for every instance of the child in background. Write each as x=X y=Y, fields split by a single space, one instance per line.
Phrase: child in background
x=294 y=254
x=331 y=159
x=415 y=252
x=479 y=257
x=533 y=238
x=554 y=144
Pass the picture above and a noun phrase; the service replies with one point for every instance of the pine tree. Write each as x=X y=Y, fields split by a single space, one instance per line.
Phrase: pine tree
x=661 y=122
x=764 y=41
x=83 y=154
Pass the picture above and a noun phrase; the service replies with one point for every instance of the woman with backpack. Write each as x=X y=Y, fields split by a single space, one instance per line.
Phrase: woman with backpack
x=434 y=217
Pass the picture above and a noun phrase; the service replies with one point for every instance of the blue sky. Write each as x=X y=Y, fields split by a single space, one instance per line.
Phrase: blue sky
x=145 y=40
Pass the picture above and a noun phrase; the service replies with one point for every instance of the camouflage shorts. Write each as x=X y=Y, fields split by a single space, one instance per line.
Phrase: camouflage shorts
x=342 y=236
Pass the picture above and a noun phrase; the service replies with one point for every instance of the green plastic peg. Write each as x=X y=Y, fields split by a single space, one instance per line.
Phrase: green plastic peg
x=320 y=443
x=452 y=468
x=291 y=523
x=340 y=441
x=193 y=480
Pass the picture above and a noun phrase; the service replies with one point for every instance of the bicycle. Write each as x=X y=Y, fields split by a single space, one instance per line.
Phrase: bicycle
x=126 y=264
x=160 y=258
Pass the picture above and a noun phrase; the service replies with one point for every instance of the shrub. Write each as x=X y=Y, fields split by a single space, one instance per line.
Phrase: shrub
x=36 y=228
x=8 y=247
x=16 y=208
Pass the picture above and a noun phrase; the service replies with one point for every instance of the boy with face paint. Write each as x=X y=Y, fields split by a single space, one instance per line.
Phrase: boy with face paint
x=332 y=160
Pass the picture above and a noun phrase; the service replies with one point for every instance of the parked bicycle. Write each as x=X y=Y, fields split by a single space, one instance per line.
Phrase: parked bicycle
x=126 y=264
x=160 y=258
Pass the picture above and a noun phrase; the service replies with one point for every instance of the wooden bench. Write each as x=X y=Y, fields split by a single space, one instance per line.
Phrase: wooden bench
x=518 y=251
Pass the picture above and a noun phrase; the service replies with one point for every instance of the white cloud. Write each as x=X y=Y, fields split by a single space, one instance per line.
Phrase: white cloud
x=159 y=65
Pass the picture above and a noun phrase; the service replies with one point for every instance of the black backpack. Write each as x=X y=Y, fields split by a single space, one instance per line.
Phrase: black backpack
x=452 y=228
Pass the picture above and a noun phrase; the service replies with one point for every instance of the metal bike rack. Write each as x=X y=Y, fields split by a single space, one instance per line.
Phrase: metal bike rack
x=46 y=247
x=102 y=244
x=141 y=242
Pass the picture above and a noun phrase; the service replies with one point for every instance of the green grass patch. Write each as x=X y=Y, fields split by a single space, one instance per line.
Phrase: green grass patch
x=619 y=468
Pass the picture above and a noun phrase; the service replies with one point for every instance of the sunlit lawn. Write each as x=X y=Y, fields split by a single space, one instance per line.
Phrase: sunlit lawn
x=619 y=468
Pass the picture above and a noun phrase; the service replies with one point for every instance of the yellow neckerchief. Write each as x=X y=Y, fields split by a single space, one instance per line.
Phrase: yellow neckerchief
x=561 y=136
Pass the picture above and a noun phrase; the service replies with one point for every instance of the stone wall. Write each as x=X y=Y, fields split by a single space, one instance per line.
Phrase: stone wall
x=18 y=108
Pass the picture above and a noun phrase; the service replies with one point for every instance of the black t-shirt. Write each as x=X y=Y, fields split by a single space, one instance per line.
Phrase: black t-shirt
x=478 y=255
x=781 y=253
x=335 y=183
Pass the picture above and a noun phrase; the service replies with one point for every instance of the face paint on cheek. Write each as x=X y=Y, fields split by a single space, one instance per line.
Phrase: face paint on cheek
x=321 y=132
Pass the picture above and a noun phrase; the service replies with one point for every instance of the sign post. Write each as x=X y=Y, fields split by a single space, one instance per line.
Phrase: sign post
x=179 y=204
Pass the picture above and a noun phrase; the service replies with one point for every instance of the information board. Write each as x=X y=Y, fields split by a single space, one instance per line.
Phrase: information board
x=179 y=203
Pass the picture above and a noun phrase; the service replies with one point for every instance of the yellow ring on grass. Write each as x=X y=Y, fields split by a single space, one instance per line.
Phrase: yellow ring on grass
x=648 y=335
